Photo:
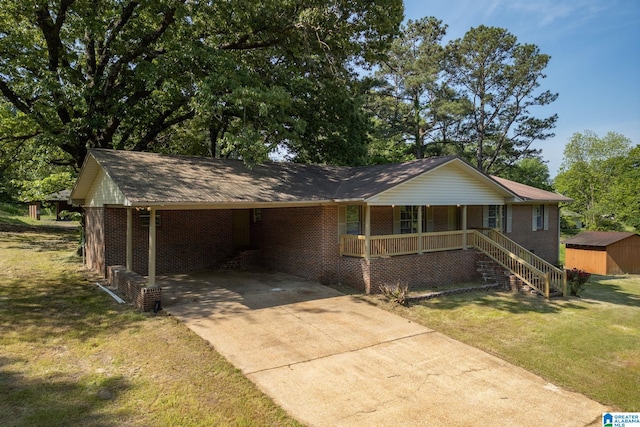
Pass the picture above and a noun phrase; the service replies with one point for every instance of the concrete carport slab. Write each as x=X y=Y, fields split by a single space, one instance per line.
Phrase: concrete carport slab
x=331 y=359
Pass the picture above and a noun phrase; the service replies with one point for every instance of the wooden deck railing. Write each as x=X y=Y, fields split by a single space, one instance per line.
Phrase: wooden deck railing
x=401 y=244
x=527 y=266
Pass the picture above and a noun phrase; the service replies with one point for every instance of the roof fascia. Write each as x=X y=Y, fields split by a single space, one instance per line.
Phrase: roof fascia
x=88 y=173
x=226 y=205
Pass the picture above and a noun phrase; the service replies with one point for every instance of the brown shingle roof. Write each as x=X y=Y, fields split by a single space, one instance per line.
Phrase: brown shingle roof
x=172 y=179
x=154 y=178
x=526 y=192
x=149 y=178
x=597 y=238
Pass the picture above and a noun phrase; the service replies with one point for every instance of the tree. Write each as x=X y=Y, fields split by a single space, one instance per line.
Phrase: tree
x=589 y=172
x=531 y=171
x=624 y=194
x=499 y=77
x=410 y=98
x=128 y=74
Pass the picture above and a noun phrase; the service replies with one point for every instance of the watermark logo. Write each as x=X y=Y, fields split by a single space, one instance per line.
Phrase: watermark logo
x=621 y=419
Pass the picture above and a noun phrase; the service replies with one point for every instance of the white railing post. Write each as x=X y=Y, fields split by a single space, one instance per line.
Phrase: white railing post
x=367 y=231
x=464 y=227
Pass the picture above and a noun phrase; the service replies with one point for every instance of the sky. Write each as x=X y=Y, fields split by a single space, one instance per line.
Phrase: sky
x=595 y=58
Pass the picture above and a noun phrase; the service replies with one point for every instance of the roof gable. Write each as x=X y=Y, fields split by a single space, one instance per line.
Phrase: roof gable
x=449 y=183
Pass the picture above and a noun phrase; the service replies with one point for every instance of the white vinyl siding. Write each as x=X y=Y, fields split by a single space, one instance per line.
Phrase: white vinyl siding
x=104 y=191
x=449 y=185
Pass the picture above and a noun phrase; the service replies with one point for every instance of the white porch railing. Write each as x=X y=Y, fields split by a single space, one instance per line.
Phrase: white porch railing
x=401 y=244
x=527 y=266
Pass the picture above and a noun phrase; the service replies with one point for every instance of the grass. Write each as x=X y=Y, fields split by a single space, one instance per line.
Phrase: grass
x=70 y=355
x=590 y=345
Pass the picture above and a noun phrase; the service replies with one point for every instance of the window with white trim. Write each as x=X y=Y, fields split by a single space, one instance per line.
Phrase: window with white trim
x=354 y=219
x=492 y=216
x=408 y=219
x=539 y=218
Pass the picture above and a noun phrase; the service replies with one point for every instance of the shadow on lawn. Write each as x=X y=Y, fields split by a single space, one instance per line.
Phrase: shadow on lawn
x=55 y=399
x=504 y=301
x=66 y=306
x=613 y=289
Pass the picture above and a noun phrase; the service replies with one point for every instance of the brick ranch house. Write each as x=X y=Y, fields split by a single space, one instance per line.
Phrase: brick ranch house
x=419 y=222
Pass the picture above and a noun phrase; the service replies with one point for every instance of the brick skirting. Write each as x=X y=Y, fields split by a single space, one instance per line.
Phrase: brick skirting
x=435 y=268
x=134 y=288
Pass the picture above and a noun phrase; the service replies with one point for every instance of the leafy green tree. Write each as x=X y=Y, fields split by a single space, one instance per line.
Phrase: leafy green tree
x=409 y=97
x=531 y=171
x=131 y=74
x=625 y=191
x=499 y=77
x=588 y=173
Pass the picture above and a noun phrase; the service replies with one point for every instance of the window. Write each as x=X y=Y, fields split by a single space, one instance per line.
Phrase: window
x=354 y=214
x=408 y=219
x=492 y=217
x=257 y=215
x=540 y=218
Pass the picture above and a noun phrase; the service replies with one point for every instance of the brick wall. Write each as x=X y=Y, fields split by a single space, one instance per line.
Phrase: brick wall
x=544 y=243
x=133 y=287
x=94 y=240
x=435 y=268
x=291 y=240
x=381 y=220
x=186 y=240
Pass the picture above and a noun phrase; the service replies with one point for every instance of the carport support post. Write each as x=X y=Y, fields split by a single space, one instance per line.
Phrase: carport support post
x=129 y=239
x=152 y=246
x=464 y=227
x=367 y=231
x=420 y=230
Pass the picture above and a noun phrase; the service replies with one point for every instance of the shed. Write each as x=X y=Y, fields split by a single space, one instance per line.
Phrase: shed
x=604 y=252
x=59 y=200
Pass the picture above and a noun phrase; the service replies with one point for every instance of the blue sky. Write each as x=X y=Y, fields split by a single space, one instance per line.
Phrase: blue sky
x=595 y=57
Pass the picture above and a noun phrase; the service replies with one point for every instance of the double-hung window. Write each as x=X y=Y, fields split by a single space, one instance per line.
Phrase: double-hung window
x=353 y=220
x=539 y=218
x=408 y=219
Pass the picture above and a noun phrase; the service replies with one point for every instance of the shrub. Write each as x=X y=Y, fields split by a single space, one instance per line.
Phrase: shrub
x=576 y=280
x=396 y=293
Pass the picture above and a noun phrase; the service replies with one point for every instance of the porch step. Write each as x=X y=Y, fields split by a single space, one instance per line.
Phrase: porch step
x=242 y=260
x=490 y=271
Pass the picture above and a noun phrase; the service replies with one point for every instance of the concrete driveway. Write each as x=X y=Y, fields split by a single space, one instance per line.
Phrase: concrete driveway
x=330 y=359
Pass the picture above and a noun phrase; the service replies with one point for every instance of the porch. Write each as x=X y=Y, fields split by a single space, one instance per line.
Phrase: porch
x=518 y=261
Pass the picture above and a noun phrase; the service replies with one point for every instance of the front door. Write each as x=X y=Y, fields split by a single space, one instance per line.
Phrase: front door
x=241 y=228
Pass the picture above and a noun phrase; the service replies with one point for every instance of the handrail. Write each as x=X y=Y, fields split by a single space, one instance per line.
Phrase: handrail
x=401 y=244
x=527 y=266
x=542 y=272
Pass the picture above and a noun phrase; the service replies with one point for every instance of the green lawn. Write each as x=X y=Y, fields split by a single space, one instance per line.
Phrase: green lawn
x=590 y=345
x=70 y=355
